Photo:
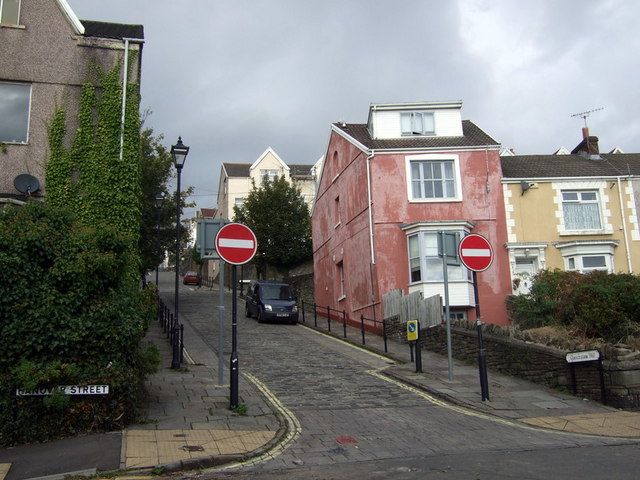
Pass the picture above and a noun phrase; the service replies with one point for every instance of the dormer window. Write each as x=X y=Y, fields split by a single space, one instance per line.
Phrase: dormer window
x=417 y=123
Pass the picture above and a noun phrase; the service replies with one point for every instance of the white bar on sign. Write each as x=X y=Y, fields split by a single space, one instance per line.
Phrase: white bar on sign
x=476 y=252
x=235 y=243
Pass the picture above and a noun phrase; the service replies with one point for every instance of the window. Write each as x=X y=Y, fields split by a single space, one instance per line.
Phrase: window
x=588 y=255
x=433 y=179
x=340 y=267
x=425 y=263
x=581 y=210
x=417 y=123
x=269 y=175
x=15 y=100
x=337 y=212
x=9 y=12
x=587 y=263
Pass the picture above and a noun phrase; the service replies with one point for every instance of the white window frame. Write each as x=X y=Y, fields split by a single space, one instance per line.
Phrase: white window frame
x=428 y=262
x=601 y=187
x=3 y=4
x=575 y=252
x=28 y=116
x=581 y=199
x=436 y=158
x=417 y=123
x=270 y=173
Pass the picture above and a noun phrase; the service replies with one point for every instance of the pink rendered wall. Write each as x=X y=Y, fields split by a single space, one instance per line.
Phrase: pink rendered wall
x=345 y=177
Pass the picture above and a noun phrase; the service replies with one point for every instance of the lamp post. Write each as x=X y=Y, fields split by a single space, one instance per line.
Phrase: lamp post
x=179 y=153
x=157 y=201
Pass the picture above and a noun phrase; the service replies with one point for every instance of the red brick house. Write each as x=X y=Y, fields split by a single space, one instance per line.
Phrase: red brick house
x=388 y=187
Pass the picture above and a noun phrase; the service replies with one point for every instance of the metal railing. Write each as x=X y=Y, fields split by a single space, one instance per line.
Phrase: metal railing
x=173 y=330
x=322 y=314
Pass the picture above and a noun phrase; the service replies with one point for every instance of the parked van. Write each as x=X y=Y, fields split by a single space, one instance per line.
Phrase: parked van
x=270 y=301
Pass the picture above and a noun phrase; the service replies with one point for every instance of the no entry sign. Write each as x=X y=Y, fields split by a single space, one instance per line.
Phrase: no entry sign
x=236 y=243
x=475 y=252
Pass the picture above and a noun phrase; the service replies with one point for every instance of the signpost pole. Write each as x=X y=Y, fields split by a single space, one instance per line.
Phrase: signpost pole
x=221 y=325
x=446 y=304
x=236 y=244
x=234 y=340
x=482 y=353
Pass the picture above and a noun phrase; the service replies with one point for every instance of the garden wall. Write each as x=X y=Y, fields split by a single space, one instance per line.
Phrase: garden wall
x=540 y=363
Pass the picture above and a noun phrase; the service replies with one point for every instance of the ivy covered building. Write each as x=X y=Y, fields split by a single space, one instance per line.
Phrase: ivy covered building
x=47 y=55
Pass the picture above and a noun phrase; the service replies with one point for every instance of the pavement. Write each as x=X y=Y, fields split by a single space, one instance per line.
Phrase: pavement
x=188 y=424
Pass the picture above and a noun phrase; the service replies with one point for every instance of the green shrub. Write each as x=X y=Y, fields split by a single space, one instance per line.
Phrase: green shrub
x=597 y=304
x=69 y=315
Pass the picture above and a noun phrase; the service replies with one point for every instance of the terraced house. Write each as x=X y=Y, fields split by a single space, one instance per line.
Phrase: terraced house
x=573 y=210
x=45 y=54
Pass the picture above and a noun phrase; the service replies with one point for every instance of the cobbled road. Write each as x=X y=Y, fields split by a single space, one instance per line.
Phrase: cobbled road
x=349 y=416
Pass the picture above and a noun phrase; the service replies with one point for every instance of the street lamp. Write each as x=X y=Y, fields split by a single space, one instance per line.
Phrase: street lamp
x=179 y=153
x=157 y=201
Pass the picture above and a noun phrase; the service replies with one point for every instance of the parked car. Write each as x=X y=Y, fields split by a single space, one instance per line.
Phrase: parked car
x=192 y=278
x=271 y=301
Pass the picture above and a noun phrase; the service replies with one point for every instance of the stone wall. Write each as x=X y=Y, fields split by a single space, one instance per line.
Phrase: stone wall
x=540 y=363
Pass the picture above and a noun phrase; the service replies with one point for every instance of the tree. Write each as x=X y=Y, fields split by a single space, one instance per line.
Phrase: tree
x=157 y=228
x=279 y=216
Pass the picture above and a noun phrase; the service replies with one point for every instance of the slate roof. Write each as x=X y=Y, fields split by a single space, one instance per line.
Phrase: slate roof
x=473 y=136
x=300 y=170
x=237 y=169
x=558 y=166
x=112 y=30
x=243 y=169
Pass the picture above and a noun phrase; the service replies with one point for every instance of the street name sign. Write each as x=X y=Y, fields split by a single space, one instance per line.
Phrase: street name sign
x=475 y=252
x=236 y=243
x=66 y=389
x=584 y=356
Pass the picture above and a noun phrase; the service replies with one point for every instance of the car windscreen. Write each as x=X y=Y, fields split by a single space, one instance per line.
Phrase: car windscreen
x=277 y=292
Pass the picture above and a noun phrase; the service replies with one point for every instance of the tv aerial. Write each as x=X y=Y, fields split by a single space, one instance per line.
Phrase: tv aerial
x=584 y=115
x=27 y=184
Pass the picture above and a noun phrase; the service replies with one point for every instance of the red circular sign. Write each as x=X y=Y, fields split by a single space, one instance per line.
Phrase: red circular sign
x=476 y=252
x=236 y=243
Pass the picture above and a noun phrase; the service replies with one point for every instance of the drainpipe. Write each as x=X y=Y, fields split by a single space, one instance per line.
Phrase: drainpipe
x=624 y=225
x=369 y=158
x=125 y=81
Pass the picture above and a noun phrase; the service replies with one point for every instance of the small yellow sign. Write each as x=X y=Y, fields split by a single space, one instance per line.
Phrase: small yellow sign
x=412 y=330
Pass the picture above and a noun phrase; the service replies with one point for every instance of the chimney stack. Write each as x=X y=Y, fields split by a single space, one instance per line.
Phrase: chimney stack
x=588 y=147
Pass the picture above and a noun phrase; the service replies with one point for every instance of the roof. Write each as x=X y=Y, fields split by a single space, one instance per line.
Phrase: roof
x=237 y=169
x=558 y=166
x=473 y=136
x=300 y=170
x=112 y=30
x=208 y=212
x=243 y=169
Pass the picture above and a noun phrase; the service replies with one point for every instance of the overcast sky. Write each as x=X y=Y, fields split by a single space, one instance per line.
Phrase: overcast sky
x=234 y=77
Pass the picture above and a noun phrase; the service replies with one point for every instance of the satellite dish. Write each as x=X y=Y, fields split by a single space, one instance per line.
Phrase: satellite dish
x=524 y=185
x=27 y=184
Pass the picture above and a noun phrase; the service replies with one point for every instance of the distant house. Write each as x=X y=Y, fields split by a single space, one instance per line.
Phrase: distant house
x=388 y=188
x=573 y=210
x=236 y=180
x=45 y=54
